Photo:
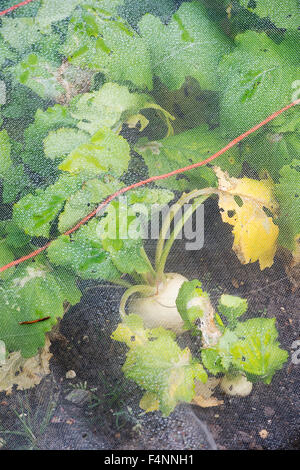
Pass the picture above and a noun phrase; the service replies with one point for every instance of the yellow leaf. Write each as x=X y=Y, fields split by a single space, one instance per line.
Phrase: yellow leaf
x=133 y=121
x=149 y=402
x=204 y=393
x=249 y=205
x=131 y=332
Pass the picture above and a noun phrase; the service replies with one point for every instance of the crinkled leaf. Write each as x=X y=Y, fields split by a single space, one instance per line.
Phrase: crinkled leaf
x=102 y=41
x=124 y=224
x=83 y=253
x=35 y=212
x=160 y=367
x=40 y=76
x=85 y=200
x=252 y=348
x=33 y=293
x=223 y=349
x=106 y=152
x=45 y=121
x=232 y=307
x=184 y=149
x=127 y=217
x=60 y=143
x=106 y=107
x=189 y=45
x=20 y=33
x=257 y=351
x=127 y=256
x=256 y=80
x=212 y=361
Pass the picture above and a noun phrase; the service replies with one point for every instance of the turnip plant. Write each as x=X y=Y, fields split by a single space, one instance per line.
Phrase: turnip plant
x=90 y=105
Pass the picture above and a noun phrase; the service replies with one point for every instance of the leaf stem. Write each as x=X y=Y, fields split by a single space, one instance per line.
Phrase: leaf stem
x=177 y=228
x=174 y=209
x=151 y=269
x=142 y=288
x=122 y=282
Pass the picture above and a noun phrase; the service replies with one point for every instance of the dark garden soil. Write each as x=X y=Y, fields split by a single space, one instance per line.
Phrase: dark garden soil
x=98 y=408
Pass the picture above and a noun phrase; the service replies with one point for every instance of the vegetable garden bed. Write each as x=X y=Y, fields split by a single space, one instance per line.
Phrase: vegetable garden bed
x=123 y=125
x=104 y=413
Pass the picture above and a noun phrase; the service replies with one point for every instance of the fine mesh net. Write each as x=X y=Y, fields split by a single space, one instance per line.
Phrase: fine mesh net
x=149 y=225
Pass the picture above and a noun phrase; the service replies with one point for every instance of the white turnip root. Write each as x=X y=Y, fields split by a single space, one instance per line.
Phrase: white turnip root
x=236 y=385
x=160 y=309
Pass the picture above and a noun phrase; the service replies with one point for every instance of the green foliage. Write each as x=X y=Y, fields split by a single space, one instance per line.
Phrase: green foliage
x=105 y=152
x=256 y=351
x=21 y=103
x=83 y=201
x=85 y=257
x=15 y=237
x=44 y=122
x=60 y=143
x=284 y=13
x=232 y=308
x=35 y=213
x=14 y=179
x=59 y=161
x=15 y=183
x=6 y=256
x=20 y=33
x=5 y=52
x=184 y=149
x=107 y=107
x=190 y=290
x=133 y=10
x=40 y=76
x=190 y=45
x=101 y=41
x=255 y=79
x=281 y=149
x=287 y=194
x=105 y=248
x=251 y=347
x=5 y=149
x=158 y=365
x=51 y=12
x=34 y=292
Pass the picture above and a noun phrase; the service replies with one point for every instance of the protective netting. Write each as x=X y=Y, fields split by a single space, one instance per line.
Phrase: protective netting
x=149 y=224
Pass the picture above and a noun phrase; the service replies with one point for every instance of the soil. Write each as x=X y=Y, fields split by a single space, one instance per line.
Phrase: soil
x=98 y=408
